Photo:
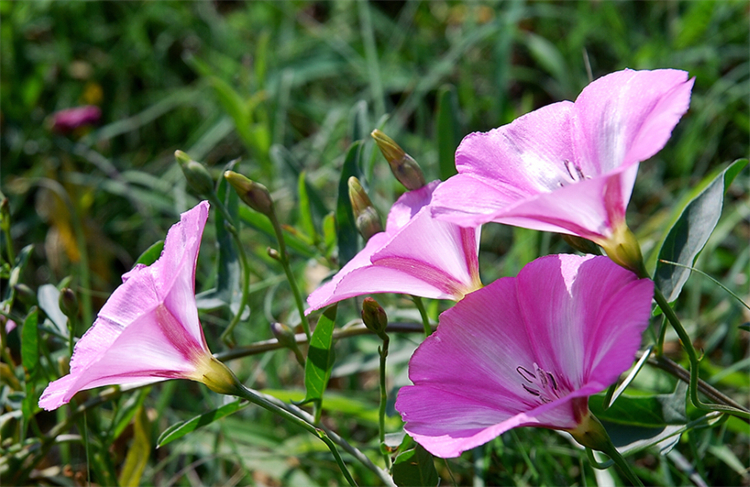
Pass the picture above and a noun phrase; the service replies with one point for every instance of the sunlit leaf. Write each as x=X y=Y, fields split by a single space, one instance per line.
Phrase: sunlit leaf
x=48 y=297
x=691 y=231
x=178 y=430
x=320 y=357
x=151 y=254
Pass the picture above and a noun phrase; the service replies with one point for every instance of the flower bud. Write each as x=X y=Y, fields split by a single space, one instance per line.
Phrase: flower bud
x=366 y=216
x=374 y=317
x=274 y=254
x=25 y=294
x=403 y=166
x=68 y=303
x=196 y=174
x=253 y=194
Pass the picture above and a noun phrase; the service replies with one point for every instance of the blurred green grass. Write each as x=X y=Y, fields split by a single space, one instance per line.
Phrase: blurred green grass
x=287 y=87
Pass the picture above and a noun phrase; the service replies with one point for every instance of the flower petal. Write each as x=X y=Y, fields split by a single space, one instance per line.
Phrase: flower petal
x=628 y=116
x=149 y=326
x=579 y=314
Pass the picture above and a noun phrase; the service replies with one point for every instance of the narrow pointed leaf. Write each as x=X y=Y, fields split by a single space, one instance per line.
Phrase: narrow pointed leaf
x=633 y=373
x=415 y=468
x=447 y=131
x=48 y=297
x=691 y=231
x=346 y=230
x=320 y=357
x=228 y=290
x=305 y=214
x=151 y=254
x=178 y=430
x=261 y=223
x=139 y=452
x=30 y=342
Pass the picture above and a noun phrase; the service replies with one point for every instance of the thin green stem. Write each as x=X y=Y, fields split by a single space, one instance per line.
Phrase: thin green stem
x=227 y=333
x=615 y=456
x=423 y=313
x=9 y=244
x=262 y=401
x=383 y=401
x=693 y=358
x=284 y=260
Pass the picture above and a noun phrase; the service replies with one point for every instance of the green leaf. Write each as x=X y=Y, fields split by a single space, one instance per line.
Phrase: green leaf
x=48 y=297
x=346 y=229
x=360 y=123
x=139 y=452
x=228 y=290
x=261 y=223
x=151 y=254
x=415 y=468
x=631 y=376
x=127 y=411
x=320 y=357
x=635 y=423
x=448 y=129
x=15 y=274
x=179 y=430
x=30 y=342
x=305 y=213
x=691 y=231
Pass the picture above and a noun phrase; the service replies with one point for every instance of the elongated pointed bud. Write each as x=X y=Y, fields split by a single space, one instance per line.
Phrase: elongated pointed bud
x=403 y=166
x=286 y=338
x=374 y=317
x=253 y=194
x=68 y=303
x=196 y=174
x=25 y=294
x=366 y=216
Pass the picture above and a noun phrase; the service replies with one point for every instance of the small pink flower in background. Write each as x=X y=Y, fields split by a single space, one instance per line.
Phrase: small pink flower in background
x=567 y=167
x=525 y=351
x=67 y=120
x=148 y=330
x=416 y=254
x=10 y=325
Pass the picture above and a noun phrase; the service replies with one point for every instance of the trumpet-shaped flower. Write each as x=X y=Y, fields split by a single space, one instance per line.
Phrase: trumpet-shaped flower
x=567 y=167
x=416 y=254
x=525 y=351
x=148 y=330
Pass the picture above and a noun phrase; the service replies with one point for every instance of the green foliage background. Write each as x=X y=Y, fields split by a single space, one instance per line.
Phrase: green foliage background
x=287 y=87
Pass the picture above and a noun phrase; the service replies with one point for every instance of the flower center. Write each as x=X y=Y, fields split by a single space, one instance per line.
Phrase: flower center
x=575 y=175
x=540 y=383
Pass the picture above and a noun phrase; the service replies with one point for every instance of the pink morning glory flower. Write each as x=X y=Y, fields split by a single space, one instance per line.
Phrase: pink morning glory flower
x=525 y=351
x=416 y=254
x=567 y=167
x=148 y=330
x=69 y=119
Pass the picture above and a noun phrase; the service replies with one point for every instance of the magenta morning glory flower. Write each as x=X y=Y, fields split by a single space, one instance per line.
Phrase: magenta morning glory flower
x=416 y=254
x=66 y=120
x=567 y=167
x=525 y=351
x=148 y=330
